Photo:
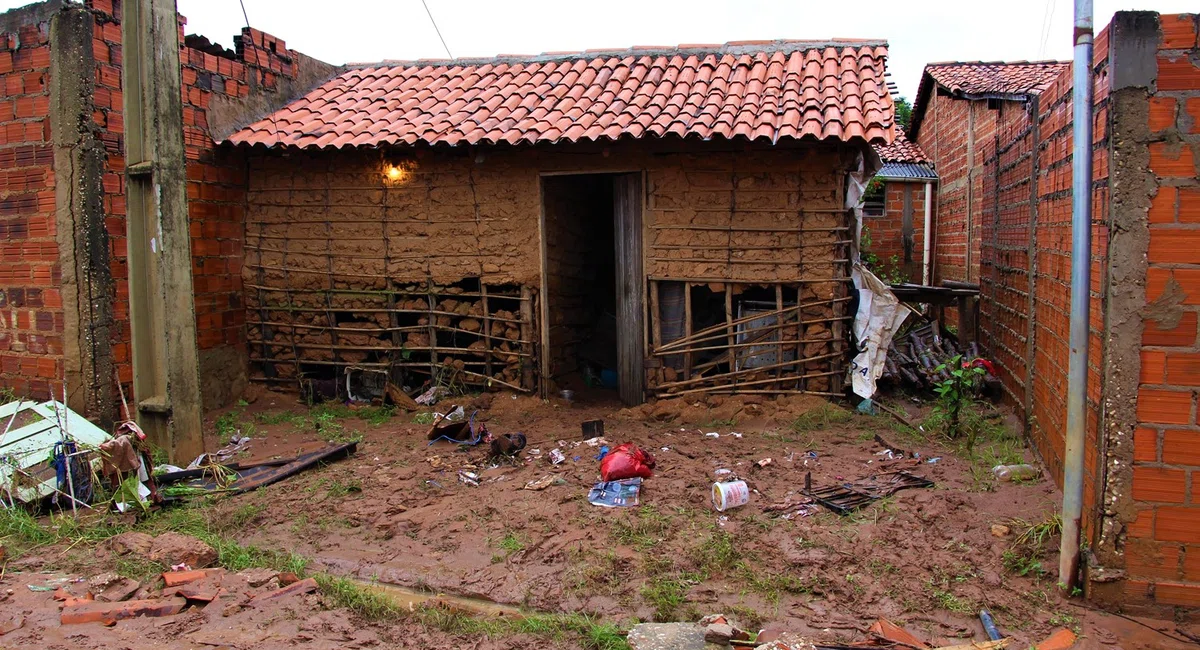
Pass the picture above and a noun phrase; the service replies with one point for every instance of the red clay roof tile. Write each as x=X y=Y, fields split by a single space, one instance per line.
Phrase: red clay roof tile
x=976 y=79
x=901 y=150
x=758 y=90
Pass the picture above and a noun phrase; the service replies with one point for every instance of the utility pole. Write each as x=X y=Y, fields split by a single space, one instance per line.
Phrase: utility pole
x=162 y=312
x=1081 y=297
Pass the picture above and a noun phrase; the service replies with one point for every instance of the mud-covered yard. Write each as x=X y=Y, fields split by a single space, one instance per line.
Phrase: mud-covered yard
x=396 y=512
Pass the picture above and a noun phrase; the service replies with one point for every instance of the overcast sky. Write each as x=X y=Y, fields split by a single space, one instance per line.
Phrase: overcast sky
x=343 y=31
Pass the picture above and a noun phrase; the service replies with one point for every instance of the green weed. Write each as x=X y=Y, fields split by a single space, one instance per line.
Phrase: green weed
x=716 y=554
x=666 y=595
x=820 y=418
x=511 y=543
x=643 y=530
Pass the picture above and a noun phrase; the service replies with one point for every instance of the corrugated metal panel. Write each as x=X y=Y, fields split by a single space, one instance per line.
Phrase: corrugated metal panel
x=907 y=171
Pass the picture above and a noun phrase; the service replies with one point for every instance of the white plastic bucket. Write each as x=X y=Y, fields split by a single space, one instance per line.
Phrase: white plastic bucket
x=730 y=494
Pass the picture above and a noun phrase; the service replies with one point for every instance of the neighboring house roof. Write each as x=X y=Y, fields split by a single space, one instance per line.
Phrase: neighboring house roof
x=763 y=90
x=903 y=159
x=984 y=79
x=901 y=150
x=899 y=171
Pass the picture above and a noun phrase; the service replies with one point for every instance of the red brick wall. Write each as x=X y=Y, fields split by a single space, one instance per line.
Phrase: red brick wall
x=216 y=179
x=1164 y=542
x=887 y=232
x=1052 y=282
x=31 y=310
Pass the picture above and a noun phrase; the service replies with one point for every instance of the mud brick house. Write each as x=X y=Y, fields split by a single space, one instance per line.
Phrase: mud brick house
x=677 y=217
x=898 y=204
x=1000 y=135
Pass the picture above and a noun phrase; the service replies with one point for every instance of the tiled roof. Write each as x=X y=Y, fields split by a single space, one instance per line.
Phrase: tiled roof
x=764 y=90
x=978 y=79
x=907 y=171
x=901 y=150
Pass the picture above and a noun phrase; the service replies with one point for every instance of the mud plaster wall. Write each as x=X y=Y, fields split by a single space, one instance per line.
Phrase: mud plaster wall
x=313 y=217
x=1157 y=503
x=580 y=256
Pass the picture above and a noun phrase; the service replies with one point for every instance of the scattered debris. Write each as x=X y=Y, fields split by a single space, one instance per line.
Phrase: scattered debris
x=1022 y=472
x=244 y=477
x=764 y=462
x=305 y=586
x=31 y=434
x=885 y=630
x=109 y=613
x=470 y=478
x=989 y=625
x=616 y=494
x=237 y=444
x=846 y=498
x=1000 y=530
x=592 y=428
x=712 y=434
x=177 y=578
x=431 y=396
x=791 y=508
x=541 y=483
x=399 y=398
x=730 y=494
x=626 y=461
x=176 y=548
x=456 y=428
x=509 y=444
x=557 y=457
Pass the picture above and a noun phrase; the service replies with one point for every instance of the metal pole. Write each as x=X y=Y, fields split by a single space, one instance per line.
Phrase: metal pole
x=1081 y=270
x=925 y=268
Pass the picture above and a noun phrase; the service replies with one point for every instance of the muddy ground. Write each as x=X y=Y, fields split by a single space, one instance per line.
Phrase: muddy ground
x=397 y=513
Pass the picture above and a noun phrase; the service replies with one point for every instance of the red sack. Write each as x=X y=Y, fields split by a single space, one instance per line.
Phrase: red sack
x=626 y=461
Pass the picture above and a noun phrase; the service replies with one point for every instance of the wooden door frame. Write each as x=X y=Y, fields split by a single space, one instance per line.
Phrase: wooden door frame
x=543 y=297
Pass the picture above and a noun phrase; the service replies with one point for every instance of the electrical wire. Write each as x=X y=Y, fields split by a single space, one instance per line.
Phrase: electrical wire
x=1047 y=27
x=244 y=15
x=435 y=28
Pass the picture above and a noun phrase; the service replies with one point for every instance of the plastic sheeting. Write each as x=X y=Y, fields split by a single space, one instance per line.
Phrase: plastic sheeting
x=880 y=314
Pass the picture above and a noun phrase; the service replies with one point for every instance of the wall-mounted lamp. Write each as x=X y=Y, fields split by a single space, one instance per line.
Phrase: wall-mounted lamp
x=398 y=171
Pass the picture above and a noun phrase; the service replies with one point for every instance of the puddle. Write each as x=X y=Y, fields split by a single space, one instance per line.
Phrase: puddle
x=412 y=598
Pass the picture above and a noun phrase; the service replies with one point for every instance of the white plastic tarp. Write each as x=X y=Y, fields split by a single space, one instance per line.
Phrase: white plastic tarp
x=880 y=315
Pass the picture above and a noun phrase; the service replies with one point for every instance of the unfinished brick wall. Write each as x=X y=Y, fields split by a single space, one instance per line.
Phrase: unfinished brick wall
x=898 y=236
x=334 y=227
x=31 y=309
x=1163 y=546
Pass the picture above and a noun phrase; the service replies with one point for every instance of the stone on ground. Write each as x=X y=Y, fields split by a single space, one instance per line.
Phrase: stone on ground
x=172 y=549
x=668 y=636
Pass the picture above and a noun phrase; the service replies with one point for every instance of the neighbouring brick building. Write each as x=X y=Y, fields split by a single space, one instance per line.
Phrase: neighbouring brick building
x=1000 y=135
x=899 y=202
x=63 y=272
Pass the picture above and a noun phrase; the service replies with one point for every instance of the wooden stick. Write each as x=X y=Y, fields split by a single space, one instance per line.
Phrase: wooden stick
x=687 y=328
x=382 y=293
x=747 y=371
x=719 y=280
x=384 y=348
x=700 y=226
x=375 y=330
x=378 y=311
x=486 y=323
x=759 y=382
x=722 y=247
x=718 y=260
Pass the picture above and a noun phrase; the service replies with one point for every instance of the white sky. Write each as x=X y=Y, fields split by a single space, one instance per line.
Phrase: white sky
x=341 y=31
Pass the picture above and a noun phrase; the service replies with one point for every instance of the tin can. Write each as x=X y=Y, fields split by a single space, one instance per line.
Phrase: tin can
x=730 y=494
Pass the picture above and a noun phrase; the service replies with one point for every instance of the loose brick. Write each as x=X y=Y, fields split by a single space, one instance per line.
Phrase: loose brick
x=1159 y=484
x=1181 y=447
x=1145 y=445
x=1176 y=524
x=1164 y=406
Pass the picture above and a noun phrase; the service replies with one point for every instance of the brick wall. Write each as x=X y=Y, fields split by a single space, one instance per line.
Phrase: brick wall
x=1163 y=548
x=899 y=249
x=31 y=309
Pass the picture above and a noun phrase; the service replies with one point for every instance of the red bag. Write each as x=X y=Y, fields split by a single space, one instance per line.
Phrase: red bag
x=626 y=461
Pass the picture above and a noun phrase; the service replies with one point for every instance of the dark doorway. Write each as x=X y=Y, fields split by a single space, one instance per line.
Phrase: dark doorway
x=592 y=284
